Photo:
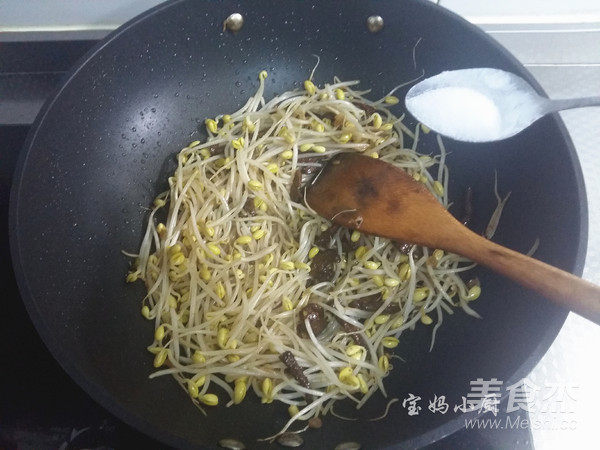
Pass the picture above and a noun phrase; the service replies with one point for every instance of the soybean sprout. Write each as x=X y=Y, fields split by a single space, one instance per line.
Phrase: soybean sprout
x=251 y=291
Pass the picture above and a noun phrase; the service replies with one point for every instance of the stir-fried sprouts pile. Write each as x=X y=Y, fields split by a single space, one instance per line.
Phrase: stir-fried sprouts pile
x=251 y=290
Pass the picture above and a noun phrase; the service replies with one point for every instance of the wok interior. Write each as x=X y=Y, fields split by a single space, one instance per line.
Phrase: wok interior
x=103 y=148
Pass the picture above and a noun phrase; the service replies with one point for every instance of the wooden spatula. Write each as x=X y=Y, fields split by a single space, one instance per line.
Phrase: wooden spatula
x=378 y=198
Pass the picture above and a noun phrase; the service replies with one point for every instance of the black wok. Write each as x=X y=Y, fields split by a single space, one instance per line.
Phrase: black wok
x=101 y=149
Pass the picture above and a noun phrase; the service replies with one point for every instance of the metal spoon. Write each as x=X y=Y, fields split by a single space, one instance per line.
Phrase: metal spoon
x=482 y=104
x=378 y=198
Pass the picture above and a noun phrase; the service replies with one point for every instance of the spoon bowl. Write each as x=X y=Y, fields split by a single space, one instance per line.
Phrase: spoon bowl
x=375 y=197
x=482 y=104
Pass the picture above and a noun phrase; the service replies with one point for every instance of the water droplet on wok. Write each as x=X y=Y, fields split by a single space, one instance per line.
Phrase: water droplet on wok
x=232 y=444
x=291 y=440
x=348 y=446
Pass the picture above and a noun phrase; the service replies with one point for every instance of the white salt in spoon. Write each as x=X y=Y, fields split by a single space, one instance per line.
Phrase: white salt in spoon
x=482 y=104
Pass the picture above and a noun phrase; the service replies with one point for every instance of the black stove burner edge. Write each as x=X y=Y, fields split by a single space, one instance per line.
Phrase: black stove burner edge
x=29 y=74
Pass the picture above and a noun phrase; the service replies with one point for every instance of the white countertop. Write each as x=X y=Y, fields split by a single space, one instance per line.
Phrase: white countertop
x=49 y=15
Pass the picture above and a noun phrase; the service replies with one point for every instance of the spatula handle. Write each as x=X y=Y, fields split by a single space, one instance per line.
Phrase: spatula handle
x=378 y=198
x=564 y=288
